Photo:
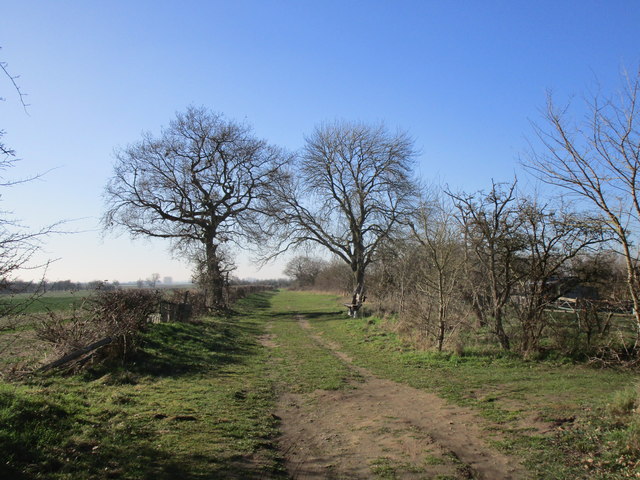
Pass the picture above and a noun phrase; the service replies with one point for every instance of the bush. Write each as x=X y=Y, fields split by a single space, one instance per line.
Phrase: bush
x=118 y=315
x=122 y=311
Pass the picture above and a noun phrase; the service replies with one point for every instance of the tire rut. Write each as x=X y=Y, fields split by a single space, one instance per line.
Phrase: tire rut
x=383 y=428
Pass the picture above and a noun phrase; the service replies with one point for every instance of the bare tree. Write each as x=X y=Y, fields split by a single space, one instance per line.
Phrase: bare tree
x=440 y=262
x=195 y=184
x=553 y=236
x=393 y=277
x=152 y=281
x=304 y=270
x=491 y=225
x=347 y=193
x=598 y=160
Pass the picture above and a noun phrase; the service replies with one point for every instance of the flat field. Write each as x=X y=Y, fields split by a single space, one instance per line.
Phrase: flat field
x=19 y=346
x=50 y=301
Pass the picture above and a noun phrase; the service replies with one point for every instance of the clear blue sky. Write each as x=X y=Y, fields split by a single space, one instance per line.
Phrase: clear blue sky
x=465 y=78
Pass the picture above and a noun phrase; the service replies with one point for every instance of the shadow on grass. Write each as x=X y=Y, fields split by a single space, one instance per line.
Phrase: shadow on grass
x=186 y=348
x=29 y=424
x=146 y=462
x=132 y=461
x=258 y=301
x=293 y=316
x=38 y=439
x=209 y=345
x=129 y=455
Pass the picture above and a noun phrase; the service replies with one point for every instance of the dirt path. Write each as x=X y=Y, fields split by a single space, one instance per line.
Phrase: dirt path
x=383 y=429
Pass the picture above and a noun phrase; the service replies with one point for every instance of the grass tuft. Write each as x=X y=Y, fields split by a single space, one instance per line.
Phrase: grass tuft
x=625 y=402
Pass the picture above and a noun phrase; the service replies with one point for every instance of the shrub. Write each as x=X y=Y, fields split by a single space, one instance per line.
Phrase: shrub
x=118 y=315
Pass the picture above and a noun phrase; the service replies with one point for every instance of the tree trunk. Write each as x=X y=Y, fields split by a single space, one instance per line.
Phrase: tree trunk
x=441 y=323
x=503 y=338
x=214 y=285
x=442 y=311
x=358 y=297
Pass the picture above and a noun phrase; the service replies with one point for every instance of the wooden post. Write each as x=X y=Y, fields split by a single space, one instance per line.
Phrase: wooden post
x=76 y=354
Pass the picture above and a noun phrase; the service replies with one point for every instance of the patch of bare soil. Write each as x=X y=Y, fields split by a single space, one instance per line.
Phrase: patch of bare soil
x=528 y=421
x=386 y=429
x=268 y=339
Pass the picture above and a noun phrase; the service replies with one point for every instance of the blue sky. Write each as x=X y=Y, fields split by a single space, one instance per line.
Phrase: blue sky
x=465 y=78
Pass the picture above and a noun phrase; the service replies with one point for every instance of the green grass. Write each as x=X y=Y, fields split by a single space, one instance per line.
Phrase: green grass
x=50 y=301
x=197 y=401
x=195 y=404
x=26 y=311
x=303 y=365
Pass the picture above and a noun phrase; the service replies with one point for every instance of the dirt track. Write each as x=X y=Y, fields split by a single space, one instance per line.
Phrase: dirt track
x=383 y=428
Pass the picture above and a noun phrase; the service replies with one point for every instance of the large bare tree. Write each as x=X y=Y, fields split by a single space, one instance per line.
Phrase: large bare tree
x=348 y=191
x=598 y=160
x=195 y=184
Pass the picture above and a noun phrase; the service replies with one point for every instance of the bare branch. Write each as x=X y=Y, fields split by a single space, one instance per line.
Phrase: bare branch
x=348 y=192
x=197 y=184
x=599 y=162
x=14 y=82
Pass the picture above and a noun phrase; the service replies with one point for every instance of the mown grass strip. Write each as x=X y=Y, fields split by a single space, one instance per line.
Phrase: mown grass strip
x=300 y=364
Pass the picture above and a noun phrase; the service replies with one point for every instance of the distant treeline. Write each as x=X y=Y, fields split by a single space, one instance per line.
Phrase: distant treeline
x=21 y=286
